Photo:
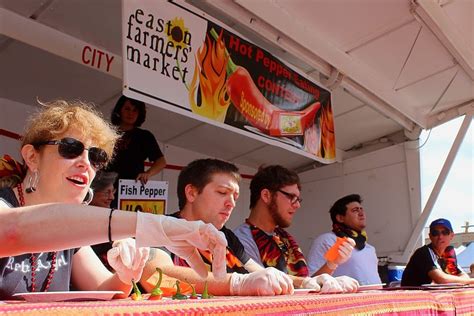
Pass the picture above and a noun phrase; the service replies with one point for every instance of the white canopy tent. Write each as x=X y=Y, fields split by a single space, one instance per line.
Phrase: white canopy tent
x=394 y=67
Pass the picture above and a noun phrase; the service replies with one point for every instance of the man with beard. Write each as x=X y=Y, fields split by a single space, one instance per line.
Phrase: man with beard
x=348 y=217
x=274 y=199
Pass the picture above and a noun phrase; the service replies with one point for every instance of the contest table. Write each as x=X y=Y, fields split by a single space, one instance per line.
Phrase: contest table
x=379 y=302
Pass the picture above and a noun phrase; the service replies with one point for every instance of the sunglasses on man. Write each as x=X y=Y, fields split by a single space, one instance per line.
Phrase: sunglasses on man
x=70 y=148
x=436 y=232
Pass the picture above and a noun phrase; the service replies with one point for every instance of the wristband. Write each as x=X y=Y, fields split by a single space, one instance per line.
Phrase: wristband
x=110 y=221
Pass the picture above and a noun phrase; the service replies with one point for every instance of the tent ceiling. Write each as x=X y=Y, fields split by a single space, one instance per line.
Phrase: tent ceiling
x=389 y=66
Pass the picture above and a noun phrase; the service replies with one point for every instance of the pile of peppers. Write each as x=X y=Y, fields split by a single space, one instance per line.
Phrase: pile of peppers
x=157 y=293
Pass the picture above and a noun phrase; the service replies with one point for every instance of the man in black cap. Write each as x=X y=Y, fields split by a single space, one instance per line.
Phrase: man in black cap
x=435 y=262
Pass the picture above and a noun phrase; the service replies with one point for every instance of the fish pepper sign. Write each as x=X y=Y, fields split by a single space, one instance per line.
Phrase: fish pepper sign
x=149 y=198
x=177 y=59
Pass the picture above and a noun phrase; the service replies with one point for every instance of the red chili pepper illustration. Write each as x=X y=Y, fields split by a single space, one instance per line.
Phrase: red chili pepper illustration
x=271 y=120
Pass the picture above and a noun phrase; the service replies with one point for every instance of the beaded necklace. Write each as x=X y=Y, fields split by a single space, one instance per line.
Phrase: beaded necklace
x=34 y=258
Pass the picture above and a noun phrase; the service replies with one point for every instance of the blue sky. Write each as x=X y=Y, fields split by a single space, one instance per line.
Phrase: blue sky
x=456 y=199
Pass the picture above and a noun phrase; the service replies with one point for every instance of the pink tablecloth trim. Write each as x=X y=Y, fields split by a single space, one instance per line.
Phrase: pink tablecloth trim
x=453 y=302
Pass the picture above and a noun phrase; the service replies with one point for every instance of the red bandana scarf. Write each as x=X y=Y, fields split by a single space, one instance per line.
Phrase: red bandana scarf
x=342 y=230
x=280 y=251
x=448 y=261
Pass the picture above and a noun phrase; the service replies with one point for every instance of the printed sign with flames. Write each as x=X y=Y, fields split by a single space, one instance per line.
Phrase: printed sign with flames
x=212 y=72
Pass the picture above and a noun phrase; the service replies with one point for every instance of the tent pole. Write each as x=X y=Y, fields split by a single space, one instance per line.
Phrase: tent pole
x=422 y=220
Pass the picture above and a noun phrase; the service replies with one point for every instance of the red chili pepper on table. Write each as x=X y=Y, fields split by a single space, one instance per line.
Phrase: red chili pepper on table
x=262 y=114
x=157 y=293
x=137 y=295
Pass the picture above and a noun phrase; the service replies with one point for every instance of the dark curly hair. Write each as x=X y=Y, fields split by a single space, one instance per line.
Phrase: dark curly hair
x=339 y=207
x=139 y=105
x=273 y=178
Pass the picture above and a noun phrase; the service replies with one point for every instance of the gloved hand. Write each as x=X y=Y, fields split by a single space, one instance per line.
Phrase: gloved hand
x=182 y=237
x=310 y=283
x=348 y=284
x=269 y=281
x=340 y=252
x=127 y=260
x=328 y=283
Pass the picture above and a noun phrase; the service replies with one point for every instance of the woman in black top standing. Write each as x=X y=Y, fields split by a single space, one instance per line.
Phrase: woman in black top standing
x=135 y=144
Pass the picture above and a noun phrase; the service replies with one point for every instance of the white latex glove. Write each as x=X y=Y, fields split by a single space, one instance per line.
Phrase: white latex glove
x=348 y=284
x=311 y=283
x=182 y=237
x=340 y=252
x=269 y=281
x=127 y=260
x=328 y=284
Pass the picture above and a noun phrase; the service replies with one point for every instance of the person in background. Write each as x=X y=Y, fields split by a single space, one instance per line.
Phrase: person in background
x=45 y=227
x=435 y=262
x=135 y=144
x=274 y=200
x=103 y=188
x=471 y=268
x=348 y=222
x=208 y=190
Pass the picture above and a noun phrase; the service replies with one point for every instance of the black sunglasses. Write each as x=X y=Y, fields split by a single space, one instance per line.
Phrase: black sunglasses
x=71 y=148
x=435 y=233
x=293 y=197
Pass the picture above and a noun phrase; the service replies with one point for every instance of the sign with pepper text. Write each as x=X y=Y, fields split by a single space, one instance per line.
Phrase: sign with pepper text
x=177 y=59
x=149 y=198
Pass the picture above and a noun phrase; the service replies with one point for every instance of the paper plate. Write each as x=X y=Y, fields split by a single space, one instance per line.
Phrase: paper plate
x=68 y=296
x=368 y=287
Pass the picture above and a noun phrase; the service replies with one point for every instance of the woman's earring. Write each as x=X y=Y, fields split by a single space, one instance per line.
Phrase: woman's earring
x=33 y=180
x=89 y=196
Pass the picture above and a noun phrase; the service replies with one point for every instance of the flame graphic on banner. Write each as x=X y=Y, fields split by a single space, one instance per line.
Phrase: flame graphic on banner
x=328 y=141
x=211 y=100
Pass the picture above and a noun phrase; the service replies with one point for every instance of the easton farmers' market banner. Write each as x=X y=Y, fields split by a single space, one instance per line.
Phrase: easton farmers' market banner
x=136 y=197
x=175 y=58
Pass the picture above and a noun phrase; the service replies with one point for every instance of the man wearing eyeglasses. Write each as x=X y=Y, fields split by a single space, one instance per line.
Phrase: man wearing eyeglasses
x=355 y=257
x=274 y=200
x=435 y=262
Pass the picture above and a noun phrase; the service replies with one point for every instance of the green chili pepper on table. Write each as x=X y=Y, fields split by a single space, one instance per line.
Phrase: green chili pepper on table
x=157 y=293
x=205 y=292
x=193 y=294
x=137 y=295
x=179 y=295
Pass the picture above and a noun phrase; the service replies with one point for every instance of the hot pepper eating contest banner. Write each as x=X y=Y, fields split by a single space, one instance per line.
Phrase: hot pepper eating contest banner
x=175 y=58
